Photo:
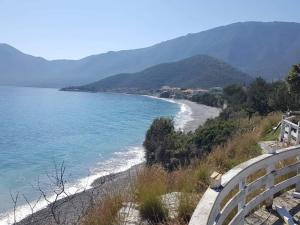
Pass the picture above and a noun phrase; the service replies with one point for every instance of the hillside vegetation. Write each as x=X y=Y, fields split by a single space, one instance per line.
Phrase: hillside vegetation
x=191 y=180
x=197 y=71
x=179 y=162
x=256 y=48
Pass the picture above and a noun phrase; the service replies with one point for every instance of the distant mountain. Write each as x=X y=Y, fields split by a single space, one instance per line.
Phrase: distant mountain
x=257 y=48
x=197 y=71
x=17 y=68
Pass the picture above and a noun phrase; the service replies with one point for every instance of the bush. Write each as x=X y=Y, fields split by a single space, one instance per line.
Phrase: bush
x=209 y=99
x=152 y=209
x=203 y=175
x=243 y=145
x=235 y=95
x=173 y=149
x=262 y=97
x=151 y=184
x=187 y=205
x=166 y=146
x=157 y=139
x=213 y=133
x=293 y=79
x=257 y=96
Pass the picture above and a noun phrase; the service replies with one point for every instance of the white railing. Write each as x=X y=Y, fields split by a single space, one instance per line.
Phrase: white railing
x=216 y=206
x=290 y=132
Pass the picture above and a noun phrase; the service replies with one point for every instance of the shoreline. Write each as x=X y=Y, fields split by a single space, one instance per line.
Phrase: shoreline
x=199 y=113
x=190 y=116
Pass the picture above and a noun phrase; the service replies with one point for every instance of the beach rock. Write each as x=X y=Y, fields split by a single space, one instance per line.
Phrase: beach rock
x=171 y=202
x=129 y=214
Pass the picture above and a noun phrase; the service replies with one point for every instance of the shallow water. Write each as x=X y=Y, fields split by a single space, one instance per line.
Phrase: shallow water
x=94 y=134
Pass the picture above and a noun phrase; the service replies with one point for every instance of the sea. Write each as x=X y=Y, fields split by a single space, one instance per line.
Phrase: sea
x=90 y=134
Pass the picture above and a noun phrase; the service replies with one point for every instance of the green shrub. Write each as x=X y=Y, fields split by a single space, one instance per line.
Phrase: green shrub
x=213 y=133
x=203 y=174
x=187 y=205
x=209 y=99
x=152 y=209
x=293 y=79
x=173 y=149
x=150 y=185
x=157 y=140
x=235 y=96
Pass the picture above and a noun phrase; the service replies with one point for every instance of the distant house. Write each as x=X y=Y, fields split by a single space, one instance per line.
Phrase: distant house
x=180 y=93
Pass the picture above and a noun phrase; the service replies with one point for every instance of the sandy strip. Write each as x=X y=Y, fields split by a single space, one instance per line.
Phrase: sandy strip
x=199 y=114
x=69 y=209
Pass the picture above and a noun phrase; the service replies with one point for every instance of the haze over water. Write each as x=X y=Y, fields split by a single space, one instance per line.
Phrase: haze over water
x=94 y=134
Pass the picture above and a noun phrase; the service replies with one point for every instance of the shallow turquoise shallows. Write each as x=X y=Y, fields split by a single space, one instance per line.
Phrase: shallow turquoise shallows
x=94 y=134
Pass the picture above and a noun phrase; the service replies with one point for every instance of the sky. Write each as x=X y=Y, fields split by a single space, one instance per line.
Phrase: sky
x=73 y=29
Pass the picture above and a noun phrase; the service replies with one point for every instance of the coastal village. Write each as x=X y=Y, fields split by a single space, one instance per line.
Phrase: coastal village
x=182 y=93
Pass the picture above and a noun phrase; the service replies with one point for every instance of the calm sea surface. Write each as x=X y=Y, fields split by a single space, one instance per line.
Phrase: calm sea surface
x=94 y=134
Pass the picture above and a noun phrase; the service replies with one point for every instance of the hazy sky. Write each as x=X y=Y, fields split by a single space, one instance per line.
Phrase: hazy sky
x=74 y=29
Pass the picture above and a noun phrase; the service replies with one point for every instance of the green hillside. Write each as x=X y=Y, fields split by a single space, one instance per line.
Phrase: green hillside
x=197 y=71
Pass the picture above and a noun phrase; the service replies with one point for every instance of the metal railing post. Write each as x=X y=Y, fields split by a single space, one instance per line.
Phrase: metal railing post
x=297 y=189
x=298 y=134
x=289 y=133
x=242 y=202
x=242 y=188
x=282 y=129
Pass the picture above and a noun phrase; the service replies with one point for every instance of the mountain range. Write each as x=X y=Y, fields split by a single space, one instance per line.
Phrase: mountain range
x=267 y=49
x=197 y=71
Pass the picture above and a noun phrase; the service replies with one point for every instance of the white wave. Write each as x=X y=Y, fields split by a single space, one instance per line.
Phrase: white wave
x=183 y=116
x=121 y=161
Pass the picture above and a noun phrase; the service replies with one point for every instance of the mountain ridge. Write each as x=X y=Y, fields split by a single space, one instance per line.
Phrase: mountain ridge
x=200 y=71
x=267 y=49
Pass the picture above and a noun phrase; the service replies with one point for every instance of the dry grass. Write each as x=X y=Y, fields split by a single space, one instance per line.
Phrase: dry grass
x=151 y=183
x=242 y=146
x=151 y=180
x=187 y=205
x=105 y=212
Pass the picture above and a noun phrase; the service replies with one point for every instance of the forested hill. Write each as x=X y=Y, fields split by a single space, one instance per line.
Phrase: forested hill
x=257 y=48
x=198 y=71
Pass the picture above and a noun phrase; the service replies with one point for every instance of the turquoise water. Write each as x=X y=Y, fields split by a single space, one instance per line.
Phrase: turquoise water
x=94 y=134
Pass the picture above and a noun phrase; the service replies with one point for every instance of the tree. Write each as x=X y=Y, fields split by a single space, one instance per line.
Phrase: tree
x=279 y=97
x=157 y=139
x=213 y=133
x=293 y=79
x=209 y=99
x=258 y=93
x=235 y=95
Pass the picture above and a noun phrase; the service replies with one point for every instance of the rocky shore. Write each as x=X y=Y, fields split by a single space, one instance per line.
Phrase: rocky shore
x=69 y=210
